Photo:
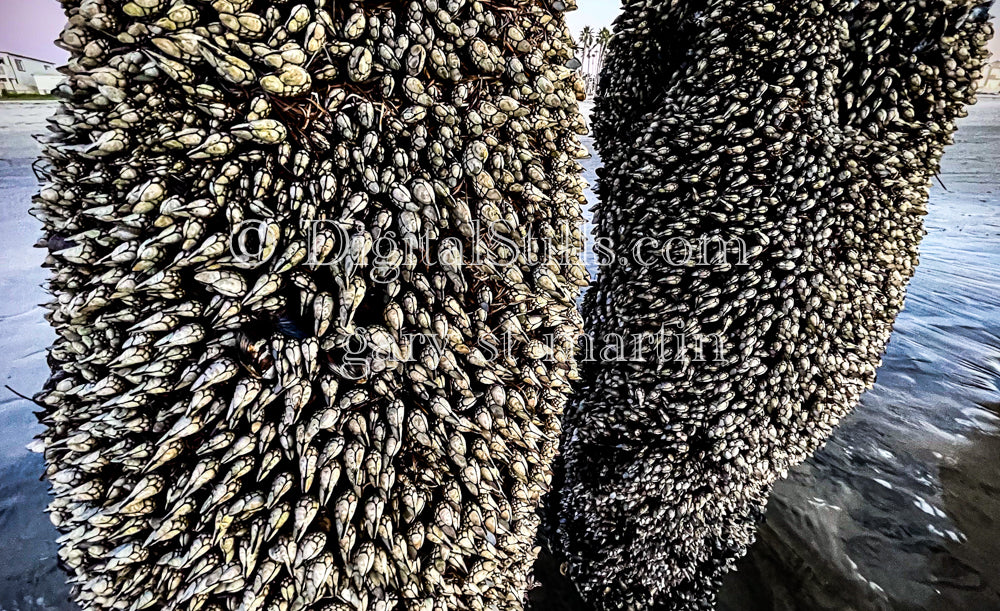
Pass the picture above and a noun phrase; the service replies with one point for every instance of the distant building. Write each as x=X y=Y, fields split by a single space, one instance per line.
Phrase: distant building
x=990 y=82
x=22 y=74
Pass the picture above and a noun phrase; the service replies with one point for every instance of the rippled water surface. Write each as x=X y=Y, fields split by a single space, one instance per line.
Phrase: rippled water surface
x=900 y=511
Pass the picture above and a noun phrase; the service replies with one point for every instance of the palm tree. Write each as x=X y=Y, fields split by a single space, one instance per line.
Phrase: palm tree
x=586 y=43
x=603 y=39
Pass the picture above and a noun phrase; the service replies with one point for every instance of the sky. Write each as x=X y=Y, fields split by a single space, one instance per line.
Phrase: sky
x=28 y=27
x=595 y=13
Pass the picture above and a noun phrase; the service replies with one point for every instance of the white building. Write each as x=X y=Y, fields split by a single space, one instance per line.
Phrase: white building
x=991 y=78
x=21 y=74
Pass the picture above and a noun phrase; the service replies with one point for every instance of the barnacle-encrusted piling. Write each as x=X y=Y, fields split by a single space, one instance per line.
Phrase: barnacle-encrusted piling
x=766 y=168
x=303 y=300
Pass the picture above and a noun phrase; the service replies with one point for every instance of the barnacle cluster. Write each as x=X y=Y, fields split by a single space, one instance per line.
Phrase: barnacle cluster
x=798 y=141
x=311 y=352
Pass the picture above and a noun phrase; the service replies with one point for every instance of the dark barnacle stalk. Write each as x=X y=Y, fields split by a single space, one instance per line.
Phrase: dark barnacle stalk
x=297 y=429
x=807 y=134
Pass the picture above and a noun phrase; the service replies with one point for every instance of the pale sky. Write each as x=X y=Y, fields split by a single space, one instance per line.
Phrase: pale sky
x=595 y=13
x=28 y=27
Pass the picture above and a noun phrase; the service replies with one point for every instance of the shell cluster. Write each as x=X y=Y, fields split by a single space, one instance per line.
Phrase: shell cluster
x=311 y=352
x=807 y=133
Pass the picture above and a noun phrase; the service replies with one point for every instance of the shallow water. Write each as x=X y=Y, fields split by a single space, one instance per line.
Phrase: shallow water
x=29 y=578
x=900 y=511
